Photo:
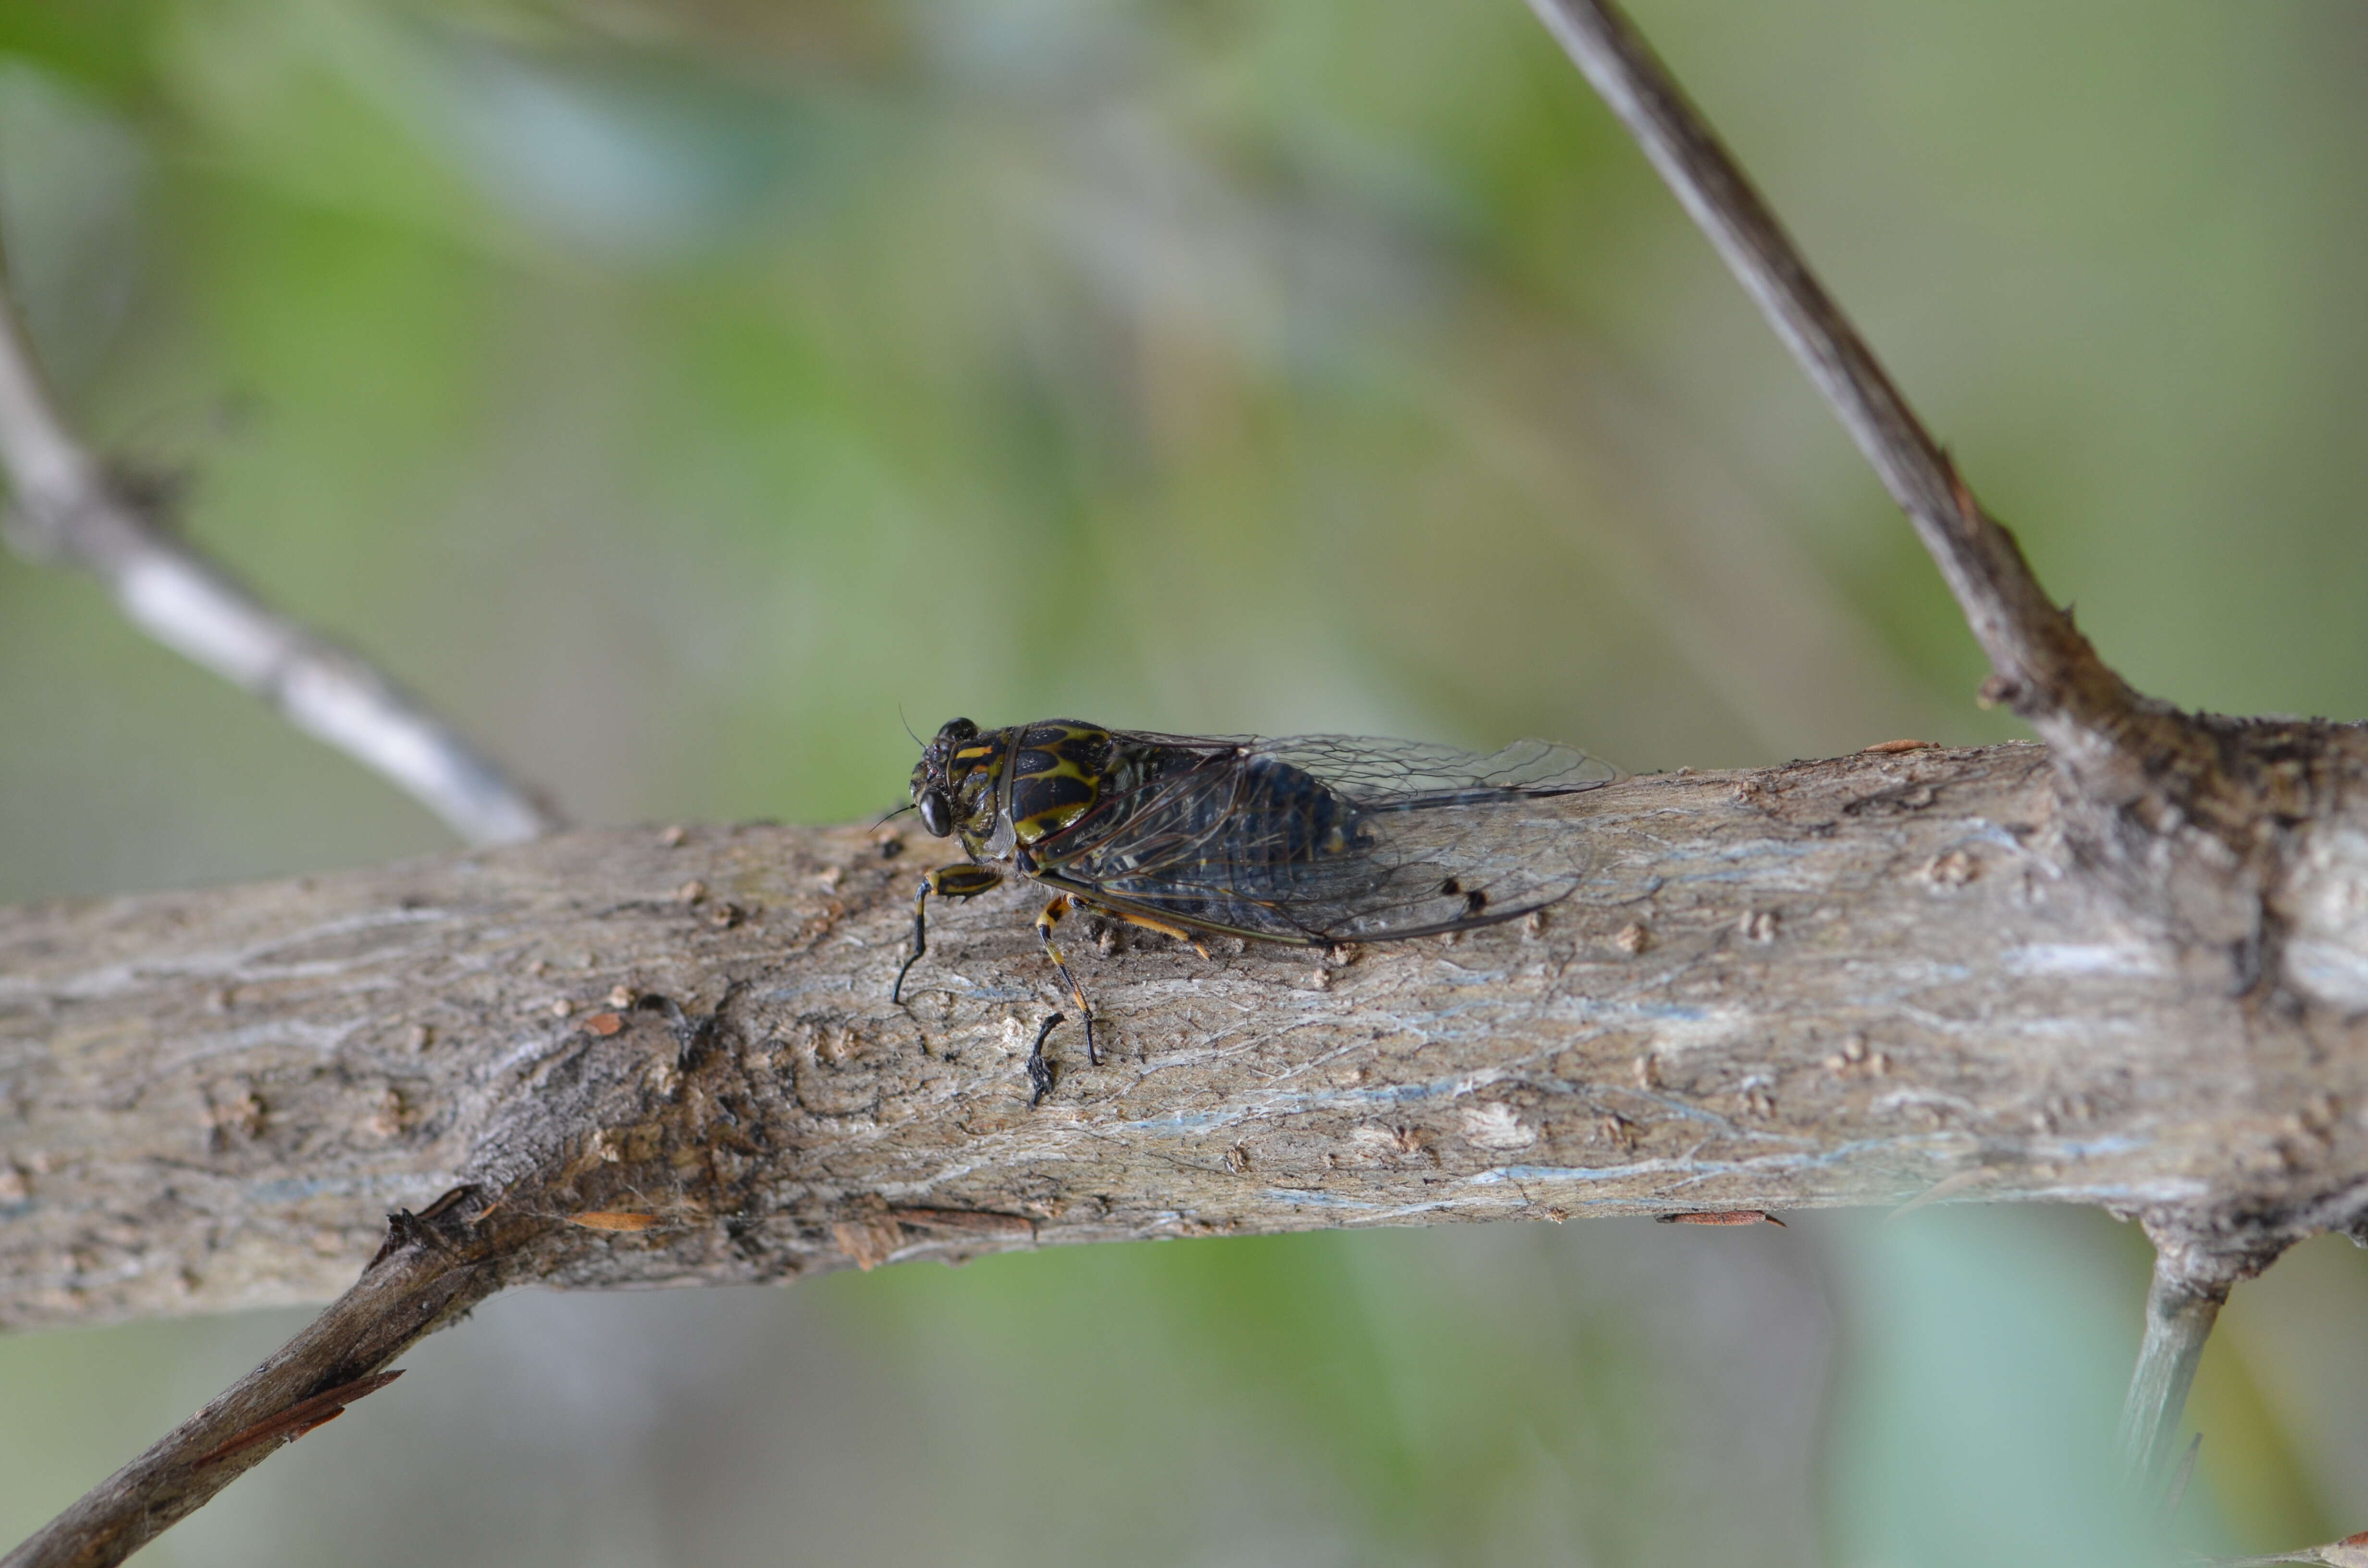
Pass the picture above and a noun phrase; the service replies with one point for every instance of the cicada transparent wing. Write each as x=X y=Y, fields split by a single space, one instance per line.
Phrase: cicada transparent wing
x=1316 y=839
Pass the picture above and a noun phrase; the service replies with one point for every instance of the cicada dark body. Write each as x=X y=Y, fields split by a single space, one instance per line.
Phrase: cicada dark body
x=1312 y=840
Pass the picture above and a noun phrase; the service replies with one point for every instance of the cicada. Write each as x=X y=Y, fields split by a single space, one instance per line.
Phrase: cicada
x=1310 y=840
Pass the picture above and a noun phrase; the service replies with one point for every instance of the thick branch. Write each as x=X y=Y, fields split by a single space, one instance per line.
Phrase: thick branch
x=2041 y=665
x=65 y=505
x=1833 y=982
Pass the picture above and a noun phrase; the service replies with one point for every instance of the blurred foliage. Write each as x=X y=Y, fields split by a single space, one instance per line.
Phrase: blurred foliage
x=677 y=393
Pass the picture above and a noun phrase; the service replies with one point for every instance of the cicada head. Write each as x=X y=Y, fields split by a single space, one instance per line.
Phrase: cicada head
x=953 y=784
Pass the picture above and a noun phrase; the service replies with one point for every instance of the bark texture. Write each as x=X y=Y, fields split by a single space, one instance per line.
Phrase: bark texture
x=651 y=1057
x=2127 y=970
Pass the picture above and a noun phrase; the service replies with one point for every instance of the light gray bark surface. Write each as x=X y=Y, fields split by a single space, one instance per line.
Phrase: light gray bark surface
x=1843 y=982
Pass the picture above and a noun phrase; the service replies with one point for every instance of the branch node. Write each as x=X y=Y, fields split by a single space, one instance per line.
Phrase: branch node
x=2000 y=691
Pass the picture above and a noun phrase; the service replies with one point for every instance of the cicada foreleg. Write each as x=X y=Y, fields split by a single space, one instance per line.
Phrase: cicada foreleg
x=946 y=881
x=1046 y=919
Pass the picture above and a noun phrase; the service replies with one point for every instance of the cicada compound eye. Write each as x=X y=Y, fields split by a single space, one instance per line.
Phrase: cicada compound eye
x=936 y=814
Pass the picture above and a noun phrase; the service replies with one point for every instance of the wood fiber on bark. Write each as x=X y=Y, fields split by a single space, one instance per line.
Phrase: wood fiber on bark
x=1844 y=981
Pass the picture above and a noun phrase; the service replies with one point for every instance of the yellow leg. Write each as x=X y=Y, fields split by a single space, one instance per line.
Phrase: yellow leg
x=1046 y=918
x=1148 y=923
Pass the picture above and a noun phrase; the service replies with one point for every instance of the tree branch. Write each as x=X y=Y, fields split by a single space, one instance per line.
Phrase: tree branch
x=65 y=506
x=1833 y=982
x=632 y=1058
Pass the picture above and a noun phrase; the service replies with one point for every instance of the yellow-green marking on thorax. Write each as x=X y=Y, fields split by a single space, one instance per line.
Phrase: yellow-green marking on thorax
x=1057 y=773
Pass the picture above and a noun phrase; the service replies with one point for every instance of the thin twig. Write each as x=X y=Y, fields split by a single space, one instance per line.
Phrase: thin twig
x=2041 y=665
x=413 y=1288
x=66 y=506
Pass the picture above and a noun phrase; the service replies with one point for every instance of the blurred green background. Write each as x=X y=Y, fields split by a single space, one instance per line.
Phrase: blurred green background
x=677 y=393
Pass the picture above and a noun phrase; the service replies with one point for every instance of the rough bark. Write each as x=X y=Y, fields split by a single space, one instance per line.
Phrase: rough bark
x=1845 y=982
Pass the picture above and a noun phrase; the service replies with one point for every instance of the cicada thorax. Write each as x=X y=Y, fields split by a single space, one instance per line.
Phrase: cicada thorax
x=1058 y=772
x=1021 y=784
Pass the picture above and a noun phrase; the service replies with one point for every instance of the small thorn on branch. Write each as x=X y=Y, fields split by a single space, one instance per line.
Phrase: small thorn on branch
x=1998 y=691
x=2184 y=1301
x=1723 y=1217
x=2177 y=1322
